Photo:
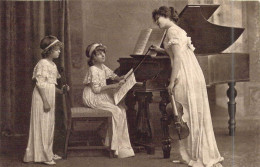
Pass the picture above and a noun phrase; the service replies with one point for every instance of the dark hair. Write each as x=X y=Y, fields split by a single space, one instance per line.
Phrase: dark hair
x=45 y=42
x=167 y=12
x=100 y=47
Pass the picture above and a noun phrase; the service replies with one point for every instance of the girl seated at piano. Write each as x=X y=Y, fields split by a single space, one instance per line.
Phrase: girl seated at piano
x=188 y=86
x=97 y=95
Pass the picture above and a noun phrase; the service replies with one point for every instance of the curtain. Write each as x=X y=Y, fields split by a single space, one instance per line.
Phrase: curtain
x=22 y=25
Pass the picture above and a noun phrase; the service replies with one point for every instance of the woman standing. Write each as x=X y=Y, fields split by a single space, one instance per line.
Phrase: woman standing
x=188 y=85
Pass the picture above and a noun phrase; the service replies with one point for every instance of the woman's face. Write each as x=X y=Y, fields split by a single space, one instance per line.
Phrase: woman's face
x=161 y=21
x=100 y=56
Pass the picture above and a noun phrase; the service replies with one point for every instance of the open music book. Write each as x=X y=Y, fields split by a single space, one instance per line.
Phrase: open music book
x=148 y=37
x=130 y=82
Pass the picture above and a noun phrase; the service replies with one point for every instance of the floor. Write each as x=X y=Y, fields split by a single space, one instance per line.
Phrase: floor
x=242 y=150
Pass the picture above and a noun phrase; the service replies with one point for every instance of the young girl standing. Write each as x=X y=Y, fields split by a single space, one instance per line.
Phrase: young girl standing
x=40 y=143
x=96 y=95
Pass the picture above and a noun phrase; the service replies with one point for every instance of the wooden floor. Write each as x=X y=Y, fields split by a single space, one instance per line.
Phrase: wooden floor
x=242 y=150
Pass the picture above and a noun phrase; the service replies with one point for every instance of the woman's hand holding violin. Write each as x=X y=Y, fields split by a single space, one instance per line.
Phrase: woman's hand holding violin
x=172 y=85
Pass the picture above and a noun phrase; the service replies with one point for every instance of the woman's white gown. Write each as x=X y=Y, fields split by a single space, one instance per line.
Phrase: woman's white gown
x=199 y=149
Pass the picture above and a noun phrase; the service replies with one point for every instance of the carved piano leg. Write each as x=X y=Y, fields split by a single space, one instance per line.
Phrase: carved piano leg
x=166 y=141
x=130 y=102
x=232 y=93
x=143 y=128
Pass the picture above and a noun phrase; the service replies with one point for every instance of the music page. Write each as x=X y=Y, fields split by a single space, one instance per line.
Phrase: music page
x=142 y=41
x=130 y=82
x=156 y=38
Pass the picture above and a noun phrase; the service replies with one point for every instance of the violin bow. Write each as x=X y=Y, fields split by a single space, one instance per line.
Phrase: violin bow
x=146 y=55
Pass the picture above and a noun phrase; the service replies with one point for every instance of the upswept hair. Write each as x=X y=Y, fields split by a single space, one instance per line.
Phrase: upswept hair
x=167 y=12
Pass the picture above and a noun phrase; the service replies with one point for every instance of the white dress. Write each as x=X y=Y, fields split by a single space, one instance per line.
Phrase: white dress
x=40 y=143
x=199 y=149
x=94 y=98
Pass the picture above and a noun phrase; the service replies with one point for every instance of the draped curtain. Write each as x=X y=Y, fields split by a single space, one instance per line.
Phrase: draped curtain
x=22 y=25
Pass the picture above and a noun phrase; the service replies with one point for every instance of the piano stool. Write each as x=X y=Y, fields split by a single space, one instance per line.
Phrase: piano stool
x=77 y=114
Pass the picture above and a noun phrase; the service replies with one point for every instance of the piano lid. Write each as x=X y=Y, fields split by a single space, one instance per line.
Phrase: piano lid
x=205 y=36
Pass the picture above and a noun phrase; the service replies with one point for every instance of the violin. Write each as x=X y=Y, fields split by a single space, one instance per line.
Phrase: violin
x=178 y=123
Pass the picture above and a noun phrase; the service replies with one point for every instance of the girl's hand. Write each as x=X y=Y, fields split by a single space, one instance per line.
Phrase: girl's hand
x=116 y=86
x=121 y=82
x=46 y=106
x=65 y=88
x=122 y=77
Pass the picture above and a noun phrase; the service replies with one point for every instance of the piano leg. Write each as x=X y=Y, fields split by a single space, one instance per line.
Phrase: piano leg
x=232 y=93
x=143 y=127
x=130 y=102
x=166 y=141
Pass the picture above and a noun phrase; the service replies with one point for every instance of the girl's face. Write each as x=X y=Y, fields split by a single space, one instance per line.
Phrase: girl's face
x=55 y=53
x=162 y=22
x=100 y=56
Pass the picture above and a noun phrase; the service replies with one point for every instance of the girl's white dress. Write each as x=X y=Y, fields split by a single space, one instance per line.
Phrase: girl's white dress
x=199 y=149
x=94 y=98
x=40 y=143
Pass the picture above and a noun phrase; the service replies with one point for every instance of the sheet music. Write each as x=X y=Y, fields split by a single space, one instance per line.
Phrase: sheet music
x=142 y=41
x=147 y=38
x=130 y=82
x=156 y=39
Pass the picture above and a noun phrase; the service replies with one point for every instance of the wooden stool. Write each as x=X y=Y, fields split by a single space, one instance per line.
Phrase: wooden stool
x=76 y=114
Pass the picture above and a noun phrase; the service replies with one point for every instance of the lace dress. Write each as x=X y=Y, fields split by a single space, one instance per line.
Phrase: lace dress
x=40 y=143
x=94 y=98
x=199 y=149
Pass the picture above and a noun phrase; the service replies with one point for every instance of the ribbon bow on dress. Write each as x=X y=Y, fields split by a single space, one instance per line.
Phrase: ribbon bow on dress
x=189 y=44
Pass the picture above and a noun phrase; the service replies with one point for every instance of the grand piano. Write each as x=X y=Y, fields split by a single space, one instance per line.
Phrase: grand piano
x=154 y=73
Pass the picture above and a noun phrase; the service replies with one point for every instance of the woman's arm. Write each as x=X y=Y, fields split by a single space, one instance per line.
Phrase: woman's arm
x=158 y=49
x=175 y=65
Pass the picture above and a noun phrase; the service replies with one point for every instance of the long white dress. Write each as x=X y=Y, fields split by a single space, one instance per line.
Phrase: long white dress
x=94 y=98
x=199 y=149
x=40 y=143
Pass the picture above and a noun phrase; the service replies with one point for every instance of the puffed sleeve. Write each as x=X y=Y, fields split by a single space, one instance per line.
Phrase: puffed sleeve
x=174 y=37
x=109 y=73
x=92 y=79
x=40 y=74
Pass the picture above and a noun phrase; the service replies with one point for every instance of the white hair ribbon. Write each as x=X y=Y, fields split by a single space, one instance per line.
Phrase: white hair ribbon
x=51 y=44
x=93 y=47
